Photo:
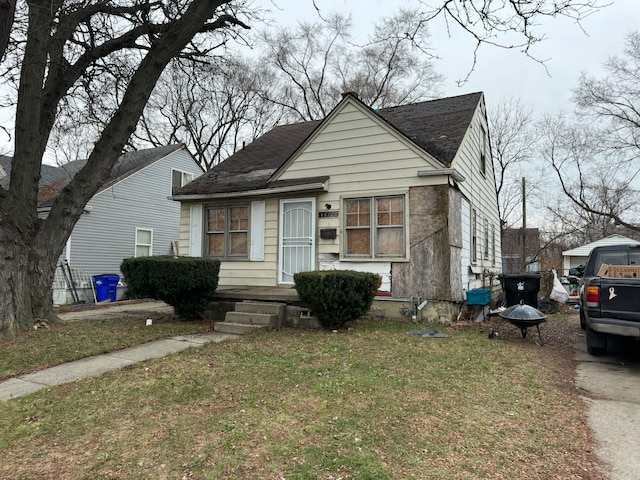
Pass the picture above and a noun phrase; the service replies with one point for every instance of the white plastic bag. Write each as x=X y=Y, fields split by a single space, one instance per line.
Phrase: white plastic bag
x=558 y=293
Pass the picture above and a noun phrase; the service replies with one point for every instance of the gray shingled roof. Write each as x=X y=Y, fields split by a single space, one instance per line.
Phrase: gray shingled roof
x=126 y=165
x=437 y=126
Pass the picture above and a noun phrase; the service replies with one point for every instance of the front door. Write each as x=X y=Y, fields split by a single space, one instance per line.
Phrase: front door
x=297 y=238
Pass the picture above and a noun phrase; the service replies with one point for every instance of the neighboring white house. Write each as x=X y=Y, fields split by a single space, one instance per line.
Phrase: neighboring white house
x=131 y=215
x=406 y=192
x=578 y=256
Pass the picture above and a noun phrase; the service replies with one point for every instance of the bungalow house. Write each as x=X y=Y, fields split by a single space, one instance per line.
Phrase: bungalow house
x=130 y=215
x=406 y=192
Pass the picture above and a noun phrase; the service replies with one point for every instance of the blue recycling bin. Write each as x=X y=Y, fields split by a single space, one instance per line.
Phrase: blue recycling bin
x=106 y=287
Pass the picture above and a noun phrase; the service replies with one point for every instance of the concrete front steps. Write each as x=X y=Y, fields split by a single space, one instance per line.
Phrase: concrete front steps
x=249 y=317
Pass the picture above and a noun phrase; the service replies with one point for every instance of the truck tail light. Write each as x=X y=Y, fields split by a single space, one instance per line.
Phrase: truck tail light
x=593 y=297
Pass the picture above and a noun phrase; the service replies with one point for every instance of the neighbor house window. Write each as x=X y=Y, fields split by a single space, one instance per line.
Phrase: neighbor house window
x=179 y=179
x=375 y=227
x=228 y=231
x=144 y=242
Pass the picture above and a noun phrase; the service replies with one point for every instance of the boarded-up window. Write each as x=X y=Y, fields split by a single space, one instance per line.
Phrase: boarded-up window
x=375 y=227
x=358 y=225
x=390 y=226
x=238 y=230
x=227 y=231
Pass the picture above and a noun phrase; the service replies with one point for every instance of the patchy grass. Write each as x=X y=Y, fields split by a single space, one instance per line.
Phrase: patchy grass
x=370 y=403
x=44 y=347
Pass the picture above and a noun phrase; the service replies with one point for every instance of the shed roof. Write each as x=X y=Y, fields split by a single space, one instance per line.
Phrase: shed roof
x=436 y=126
x=585 y=250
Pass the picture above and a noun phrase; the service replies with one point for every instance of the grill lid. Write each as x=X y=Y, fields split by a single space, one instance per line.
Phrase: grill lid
x=522 y=312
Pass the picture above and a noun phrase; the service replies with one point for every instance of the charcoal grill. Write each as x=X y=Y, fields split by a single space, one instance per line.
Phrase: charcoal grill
x=521 y=316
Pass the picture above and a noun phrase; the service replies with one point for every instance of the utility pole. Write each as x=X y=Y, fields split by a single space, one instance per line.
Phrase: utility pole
x=523 y=256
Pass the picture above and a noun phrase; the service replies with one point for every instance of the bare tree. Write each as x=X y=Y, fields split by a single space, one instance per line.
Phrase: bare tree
x=615 y=99
x=514 y=137
x=598 y=181
x=212 y=107
x=65 y=50
x=505 y=24
x=317 y=62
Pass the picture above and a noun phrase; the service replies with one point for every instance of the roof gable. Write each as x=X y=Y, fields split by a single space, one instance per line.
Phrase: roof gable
x=54 y=179
x=436 y=127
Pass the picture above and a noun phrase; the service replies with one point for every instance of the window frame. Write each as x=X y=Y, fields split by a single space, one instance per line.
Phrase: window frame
x=474 y=235
x=483 y=150
x=137 y=243
x=228 y=232
x=485 y=247
x=375 y=228
x=183 y=173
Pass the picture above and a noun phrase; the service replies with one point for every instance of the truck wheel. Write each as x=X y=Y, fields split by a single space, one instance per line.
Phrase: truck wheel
x=583 y=320
x=596 y=342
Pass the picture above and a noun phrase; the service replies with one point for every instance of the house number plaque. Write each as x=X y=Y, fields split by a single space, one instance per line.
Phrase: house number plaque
x=328 y=214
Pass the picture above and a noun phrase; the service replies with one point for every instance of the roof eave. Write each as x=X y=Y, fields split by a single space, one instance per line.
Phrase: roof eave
x=452 y=172
x=318 y=186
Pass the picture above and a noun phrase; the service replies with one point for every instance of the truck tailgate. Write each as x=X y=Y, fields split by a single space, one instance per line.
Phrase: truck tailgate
x=620 y=298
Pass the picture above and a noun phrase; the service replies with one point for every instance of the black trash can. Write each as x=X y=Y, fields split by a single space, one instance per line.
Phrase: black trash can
x=521 y=287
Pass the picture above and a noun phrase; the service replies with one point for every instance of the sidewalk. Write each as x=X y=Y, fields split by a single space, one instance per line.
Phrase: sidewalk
x=99 y=364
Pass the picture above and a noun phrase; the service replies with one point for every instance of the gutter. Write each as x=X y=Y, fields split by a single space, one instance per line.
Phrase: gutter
x=452 y=172
x=252 y=193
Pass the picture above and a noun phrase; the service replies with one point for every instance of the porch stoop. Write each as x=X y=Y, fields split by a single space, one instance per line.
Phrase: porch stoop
x=249 y=317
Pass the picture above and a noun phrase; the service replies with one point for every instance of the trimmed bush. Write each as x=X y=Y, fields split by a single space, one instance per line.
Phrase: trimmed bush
x=337 y=296
x=185 y=283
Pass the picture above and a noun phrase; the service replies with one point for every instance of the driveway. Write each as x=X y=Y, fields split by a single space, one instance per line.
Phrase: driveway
x=611 y=386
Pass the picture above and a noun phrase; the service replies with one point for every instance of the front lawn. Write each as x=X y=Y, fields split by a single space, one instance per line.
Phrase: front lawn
x=369 y=403
x=47 y=347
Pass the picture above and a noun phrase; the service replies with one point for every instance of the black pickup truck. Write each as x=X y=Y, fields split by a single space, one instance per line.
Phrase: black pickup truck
x=610 y=295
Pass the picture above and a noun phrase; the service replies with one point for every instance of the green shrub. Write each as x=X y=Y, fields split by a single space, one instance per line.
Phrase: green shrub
x=186 y=283
x=337 y=296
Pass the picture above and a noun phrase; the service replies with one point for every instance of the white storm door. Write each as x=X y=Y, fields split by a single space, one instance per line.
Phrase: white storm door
x=297 y=238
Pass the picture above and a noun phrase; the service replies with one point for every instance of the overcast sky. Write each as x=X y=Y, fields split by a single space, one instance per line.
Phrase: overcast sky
x=503 y=73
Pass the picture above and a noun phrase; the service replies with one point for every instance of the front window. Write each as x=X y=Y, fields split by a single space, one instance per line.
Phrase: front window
x=179 y=179
x=374 y=227
x=228 y=231
x=144 y=242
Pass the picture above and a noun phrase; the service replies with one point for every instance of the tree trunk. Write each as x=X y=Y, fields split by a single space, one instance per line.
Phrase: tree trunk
x=25 y=284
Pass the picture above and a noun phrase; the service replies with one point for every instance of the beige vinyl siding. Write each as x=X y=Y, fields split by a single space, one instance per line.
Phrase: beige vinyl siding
x=361 y=155
x=243 y=272
x=185 y=225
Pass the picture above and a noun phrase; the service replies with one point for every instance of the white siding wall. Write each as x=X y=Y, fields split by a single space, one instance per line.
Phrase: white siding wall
x=103 y=237
x=479 y=189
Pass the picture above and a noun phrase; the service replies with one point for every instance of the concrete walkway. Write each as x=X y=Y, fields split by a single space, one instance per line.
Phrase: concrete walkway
x=99 y=364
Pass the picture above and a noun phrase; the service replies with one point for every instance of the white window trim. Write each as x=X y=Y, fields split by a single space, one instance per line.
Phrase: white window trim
x=139 y=244
x=183 y=174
